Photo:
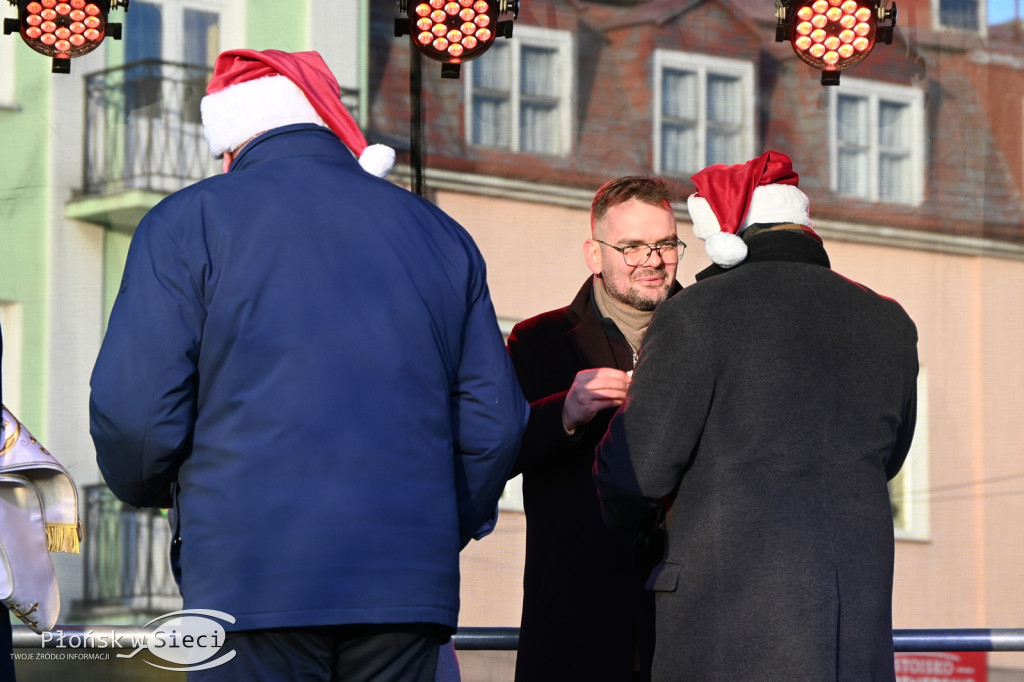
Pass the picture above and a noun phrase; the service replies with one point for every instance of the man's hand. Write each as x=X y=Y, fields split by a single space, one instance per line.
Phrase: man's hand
x=592 y=391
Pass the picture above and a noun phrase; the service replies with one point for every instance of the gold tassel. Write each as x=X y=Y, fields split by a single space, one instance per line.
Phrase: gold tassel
x=64 y=537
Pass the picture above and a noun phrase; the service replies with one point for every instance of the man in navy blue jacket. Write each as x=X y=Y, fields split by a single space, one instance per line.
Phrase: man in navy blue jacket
x=304 y=362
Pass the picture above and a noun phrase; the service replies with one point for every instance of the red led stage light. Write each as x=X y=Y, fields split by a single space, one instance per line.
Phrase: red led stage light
x=832 y=35
x=64 y=30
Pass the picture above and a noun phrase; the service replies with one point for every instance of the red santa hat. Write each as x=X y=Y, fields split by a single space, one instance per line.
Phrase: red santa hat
x=254 y=91
x=731 y=198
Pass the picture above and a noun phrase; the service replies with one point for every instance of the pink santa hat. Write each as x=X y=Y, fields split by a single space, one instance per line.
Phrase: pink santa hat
x=254 y=91
x=731 y=198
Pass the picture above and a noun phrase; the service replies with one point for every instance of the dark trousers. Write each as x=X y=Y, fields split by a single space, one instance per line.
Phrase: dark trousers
x=6 y=648
x=341 y=653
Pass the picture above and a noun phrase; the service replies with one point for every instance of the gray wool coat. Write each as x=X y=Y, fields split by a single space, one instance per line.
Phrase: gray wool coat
x=770 y=405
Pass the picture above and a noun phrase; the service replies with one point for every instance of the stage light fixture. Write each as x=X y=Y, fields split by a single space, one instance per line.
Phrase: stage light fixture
x=832 y=35
x=454 y=31
x=64 y=29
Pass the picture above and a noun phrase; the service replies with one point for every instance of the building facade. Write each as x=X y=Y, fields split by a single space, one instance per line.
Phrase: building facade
x=914 y=166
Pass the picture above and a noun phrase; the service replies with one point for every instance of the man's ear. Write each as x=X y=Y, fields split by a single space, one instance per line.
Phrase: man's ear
x=592 y=254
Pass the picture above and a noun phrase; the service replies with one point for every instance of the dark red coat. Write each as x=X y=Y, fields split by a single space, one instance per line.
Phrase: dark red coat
x=584 y=607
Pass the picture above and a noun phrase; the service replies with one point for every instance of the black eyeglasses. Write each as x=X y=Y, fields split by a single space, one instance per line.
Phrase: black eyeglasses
x=638 y=254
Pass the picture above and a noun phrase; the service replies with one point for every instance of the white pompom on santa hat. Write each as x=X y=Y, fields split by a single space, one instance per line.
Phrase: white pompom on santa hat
x=731 y=198
x=254 y=91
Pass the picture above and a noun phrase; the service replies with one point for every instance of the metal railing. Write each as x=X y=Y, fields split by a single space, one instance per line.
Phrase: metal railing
x=507 y=639
x=125 y=561
x=143 y=128
x=126 y=565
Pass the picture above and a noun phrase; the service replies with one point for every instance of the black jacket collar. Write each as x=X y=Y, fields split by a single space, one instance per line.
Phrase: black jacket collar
x=596 y=344
x=790 y=246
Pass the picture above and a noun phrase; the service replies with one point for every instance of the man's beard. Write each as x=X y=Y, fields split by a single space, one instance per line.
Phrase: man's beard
x=634 y=298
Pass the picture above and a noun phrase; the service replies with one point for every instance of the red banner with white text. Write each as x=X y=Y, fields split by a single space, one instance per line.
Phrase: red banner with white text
x=964 y=666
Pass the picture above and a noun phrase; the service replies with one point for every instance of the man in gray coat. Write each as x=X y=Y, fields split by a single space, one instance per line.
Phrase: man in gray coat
x=772 y=402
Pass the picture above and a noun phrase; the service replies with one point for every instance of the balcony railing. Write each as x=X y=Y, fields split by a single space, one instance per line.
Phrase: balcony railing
x=125 y=561
x=143 y=130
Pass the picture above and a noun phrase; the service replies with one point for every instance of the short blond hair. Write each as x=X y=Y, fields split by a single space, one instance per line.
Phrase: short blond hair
x=648 y=189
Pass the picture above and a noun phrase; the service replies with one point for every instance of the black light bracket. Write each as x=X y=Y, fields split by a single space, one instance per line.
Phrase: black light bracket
x=885 y=31
x=505 y=6
x=783 y=27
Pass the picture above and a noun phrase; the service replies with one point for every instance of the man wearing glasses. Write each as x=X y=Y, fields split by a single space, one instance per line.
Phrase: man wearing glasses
x=586 y=615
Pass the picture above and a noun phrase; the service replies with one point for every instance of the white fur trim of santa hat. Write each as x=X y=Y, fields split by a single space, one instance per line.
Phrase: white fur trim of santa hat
x=776 y=203
x=378 y=159
x=236 y=114
x=253 y=91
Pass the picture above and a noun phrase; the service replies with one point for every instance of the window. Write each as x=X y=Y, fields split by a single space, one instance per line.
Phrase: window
x=512 y=496
x=7 y=74
x=7 y=44
x=12 y=328
x=181 y=31
x=519 y=93
x=877 y=133
x=703 y=111
x=169 y=32
x=909 y=490
x=334 y=30
x=169 y=47
x=961 y=15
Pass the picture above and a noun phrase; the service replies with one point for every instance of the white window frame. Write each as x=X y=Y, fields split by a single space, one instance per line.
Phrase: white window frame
x=982 y=29
x=914 y=521
x=12 y=324
x=335 y=32
x=875 y=92
x=7 y=59
x=512 y=496
x=532 y=36
x=172 y=26
x=704 y=65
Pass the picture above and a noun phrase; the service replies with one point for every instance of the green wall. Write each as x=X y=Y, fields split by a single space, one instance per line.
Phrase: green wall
x=26 y=187
x=277 y=25
x=25 y=219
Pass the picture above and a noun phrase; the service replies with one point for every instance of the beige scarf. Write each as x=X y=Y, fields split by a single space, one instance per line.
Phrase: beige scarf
x=630 y=321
